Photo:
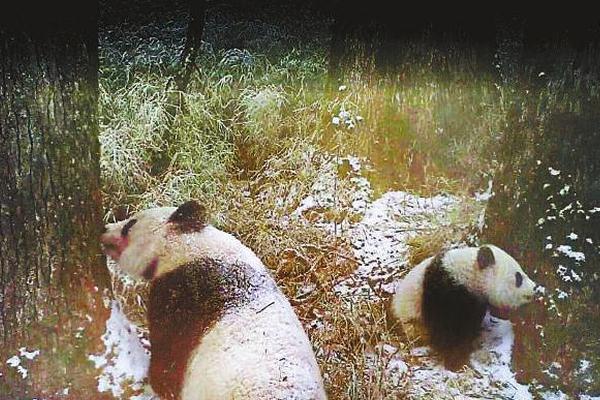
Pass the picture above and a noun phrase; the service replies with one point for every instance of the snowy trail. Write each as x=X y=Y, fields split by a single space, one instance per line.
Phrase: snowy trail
x=124 y=363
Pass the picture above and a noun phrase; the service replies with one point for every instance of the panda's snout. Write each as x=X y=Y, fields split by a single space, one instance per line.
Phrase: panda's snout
x=113 y=246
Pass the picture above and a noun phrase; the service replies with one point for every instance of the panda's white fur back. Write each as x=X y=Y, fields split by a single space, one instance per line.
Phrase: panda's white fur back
x=267 y=348
x=255 y=350
x=253 y=342
x=209 y=242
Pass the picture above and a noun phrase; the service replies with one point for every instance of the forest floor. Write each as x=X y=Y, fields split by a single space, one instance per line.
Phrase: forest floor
x=339 y=186
x=381 y=240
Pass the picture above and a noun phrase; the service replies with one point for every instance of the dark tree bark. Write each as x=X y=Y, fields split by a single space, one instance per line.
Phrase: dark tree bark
x=181 y=78
x=193 y=40
x=52 y=274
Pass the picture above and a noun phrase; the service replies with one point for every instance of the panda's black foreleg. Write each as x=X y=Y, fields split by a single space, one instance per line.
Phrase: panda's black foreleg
x=452 y=316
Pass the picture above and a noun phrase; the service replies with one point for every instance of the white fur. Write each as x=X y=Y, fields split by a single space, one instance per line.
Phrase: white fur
x=252 y=348
x=406 y=303
x=249 y=353
x=496 y=284
x=152 y=236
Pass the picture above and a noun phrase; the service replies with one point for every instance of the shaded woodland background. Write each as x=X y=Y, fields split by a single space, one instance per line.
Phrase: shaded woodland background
x=546 y=119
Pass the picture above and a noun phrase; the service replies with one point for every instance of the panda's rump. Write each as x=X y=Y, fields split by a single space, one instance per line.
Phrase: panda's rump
x=406 y=302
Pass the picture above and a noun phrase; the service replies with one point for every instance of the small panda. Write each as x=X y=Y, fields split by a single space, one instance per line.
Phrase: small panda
x=220 y=328
x=444 y=299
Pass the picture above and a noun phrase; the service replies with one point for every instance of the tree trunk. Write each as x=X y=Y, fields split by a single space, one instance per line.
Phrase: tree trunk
x=193 y=40
x=52 y=274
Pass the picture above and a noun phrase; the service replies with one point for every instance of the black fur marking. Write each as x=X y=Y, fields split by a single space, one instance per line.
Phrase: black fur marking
x=127 y=227
x=184 y=304
x=518 y=279
x=150 y=270
x=189 y=217
x=485 y=257
x=452 y=315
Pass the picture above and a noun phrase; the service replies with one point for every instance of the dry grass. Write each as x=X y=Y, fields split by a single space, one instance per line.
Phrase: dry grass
x=460 y=228
x=251 y=141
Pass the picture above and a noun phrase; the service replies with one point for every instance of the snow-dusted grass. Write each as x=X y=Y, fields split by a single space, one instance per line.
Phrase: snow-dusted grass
x=338 y=188
x=264 y=144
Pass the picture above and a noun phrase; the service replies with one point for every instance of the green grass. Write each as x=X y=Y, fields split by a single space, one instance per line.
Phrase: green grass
x=430 y=133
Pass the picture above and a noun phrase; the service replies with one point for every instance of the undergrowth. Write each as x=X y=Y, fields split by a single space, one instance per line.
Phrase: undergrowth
x=250 y=137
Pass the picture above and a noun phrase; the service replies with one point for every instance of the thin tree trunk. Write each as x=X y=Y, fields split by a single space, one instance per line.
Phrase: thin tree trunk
x=193 y=40
x=52 y=274
x=181 y=79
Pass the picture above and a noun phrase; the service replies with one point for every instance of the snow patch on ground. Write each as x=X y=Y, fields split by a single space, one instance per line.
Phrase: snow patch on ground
x=16 y=361
x=125 y=361
x=490 y=376
x=380 y=239
x=380 y=242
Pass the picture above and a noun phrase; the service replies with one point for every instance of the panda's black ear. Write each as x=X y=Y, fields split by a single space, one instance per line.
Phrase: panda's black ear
x=189 y=217
x=485 y=257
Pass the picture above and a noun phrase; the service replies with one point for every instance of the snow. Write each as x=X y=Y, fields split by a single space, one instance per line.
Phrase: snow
x=30 y=355
x=487 y=194
x=588 y=397
x=380 y=239
x=564 y=190
x=558 y=395
x=16 y=361
x=491 y=374
x=584 y=365
x=395 y=367
x=553 y=172
x=125 y=360
x=569 y=252
x=380 y=244
x=348 y=118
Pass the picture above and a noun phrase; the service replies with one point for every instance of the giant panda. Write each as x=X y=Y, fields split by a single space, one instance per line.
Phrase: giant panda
x=219 y=326
x=444 y=299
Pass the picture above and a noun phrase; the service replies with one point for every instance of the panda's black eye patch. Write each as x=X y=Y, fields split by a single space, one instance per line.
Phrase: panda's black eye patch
x=519 y=279
x=127 y=227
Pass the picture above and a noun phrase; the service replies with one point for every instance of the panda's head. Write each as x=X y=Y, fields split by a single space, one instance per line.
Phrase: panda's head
x=144 y=242
x=505 y=284
x=491 y=273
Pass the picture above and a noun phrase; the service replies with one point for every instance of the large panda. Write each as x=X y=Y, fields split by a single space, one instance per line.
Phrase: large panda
x=444 y=299
x=219 y=326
